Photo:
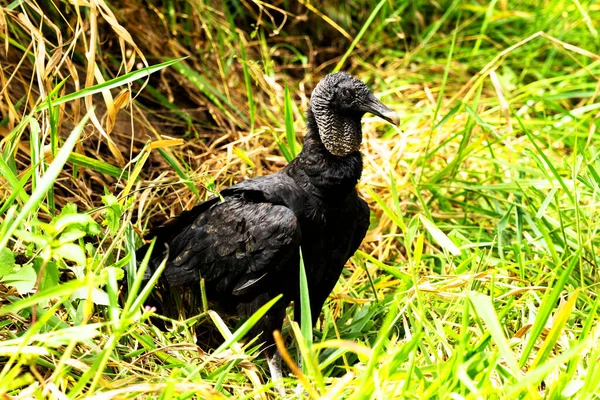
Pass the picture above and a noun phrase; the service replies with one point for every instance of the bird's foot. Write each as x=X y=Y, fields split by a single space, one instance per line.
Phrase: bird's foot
x=274 y=362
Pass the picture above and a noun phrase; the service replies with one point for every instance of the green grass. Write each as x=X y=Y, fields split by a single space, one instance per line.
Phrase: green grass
x=477 y=279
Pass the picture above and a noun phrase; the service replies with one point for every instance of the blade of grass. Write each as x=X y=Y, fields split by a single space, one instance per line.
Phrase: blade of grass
x=360 y=34
x=242 y=330
x=248 y=83
x=365 y=389
x=17 y=190
x=216 y=97
x=110 y=84
x=46 y=181
x=98 y=166
x=179 y=171
x=560 y=321
x=545 y=309
x=484 y=308
x=289 y=122
x=310 y=364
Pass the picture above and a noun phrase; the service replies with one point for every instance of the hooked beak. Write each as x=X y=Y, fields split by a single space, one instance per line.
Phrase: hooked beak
x=374 y=106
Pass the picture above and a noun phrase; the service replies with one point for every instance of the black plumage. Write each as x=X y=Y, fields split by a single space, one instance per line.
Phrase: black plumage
x=246 y=245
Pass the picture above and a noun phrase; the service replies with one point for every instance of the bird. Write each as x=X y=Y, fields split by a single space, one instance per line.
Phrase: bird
x=246 y=242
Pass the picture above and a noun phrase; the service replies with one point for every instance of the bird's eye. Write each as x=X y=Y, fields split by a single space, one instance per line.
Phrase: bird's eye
x=346 y=92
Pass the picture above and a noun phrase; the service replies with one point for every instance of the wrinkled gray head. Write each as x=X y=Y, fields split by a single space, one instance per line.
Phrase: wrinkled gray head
x=338 y=103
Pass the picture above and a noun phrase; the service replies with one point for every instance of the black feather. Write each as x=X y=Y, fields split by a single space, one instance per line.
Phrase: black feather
x=246 y=247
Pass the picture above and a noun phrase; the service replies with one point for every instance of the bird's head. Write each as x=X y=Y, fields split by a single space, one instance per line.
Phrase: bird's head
x=338 y=103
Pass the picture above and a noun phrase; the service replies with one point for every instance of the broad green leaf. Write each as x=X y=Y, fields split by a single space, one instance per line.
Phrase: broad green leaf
x=97 y=296
x=7 y=262
x=71 y=234
x=72 y=252
x=82 y=220
x=39 y=239
x=112 y=213
x=50 y=273
x=23 y=279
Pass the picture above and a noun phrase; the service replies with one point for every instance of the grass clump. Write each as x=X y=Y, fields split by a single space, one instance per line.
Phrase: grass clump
x=477 y=279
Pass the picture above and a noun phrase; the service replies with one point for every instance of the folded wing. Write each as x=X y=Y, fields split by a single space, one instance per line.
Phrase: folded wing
x=238 y=246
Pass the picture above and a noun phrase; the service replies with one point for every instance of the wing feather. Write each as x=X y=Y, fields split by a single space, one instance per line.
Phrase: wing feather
x=238 y=246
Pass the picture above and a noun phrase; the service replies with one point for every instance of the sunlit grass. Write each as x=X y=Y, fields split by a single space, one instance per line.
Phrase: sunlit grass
x=478 y=276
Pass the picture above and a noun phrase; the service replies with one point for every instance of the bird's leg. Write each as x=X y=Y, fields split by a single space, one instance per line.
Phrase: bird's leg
x=299 y=388
x=274 y=362
x=299 y=360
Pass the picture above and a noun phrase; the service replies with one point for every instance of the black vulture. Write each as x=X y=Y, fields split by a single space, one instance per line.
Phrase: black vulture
x=245 y=243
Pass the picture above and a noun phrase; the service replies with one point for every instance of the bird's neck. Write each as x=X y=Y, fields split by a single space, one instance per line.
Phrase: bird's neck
x=326 y=174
